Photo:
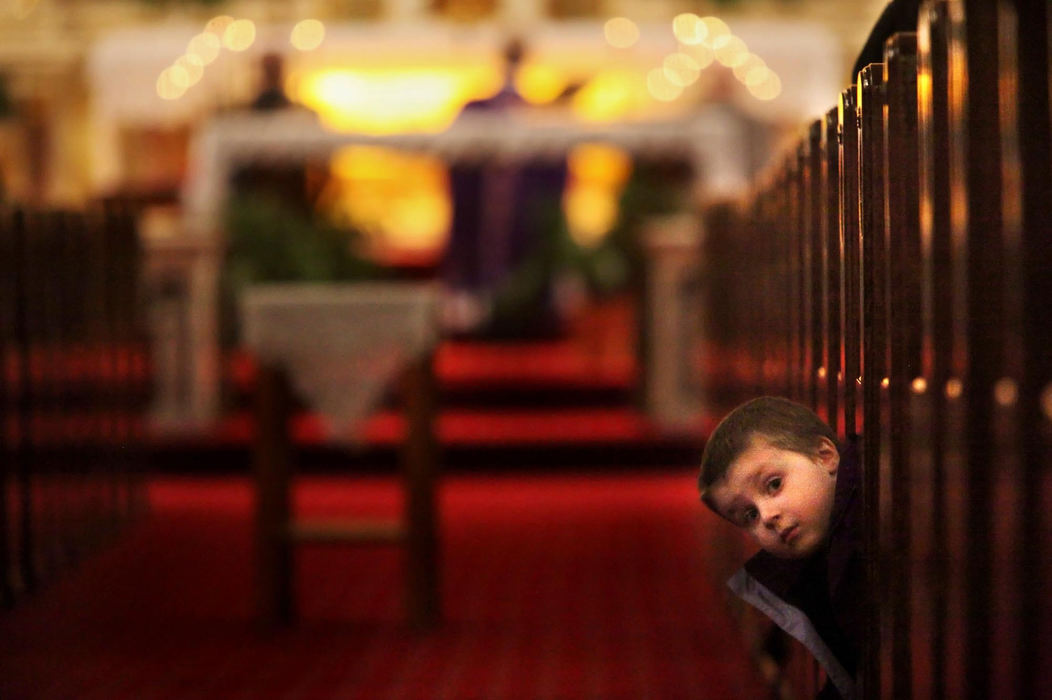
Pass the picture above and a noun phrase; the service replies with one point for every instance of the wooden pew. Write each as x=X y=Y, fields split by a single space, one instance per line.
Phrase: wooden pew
x=908 y=255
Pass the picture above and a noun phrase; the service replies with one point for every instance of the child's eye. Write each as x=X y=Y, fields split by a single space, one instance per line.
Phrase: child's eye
x=750 y=515
x=774 y=484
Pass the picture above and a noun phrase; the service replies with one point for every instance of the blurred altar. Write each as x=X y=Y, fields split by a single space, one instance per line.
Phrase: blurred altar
x=345 y=141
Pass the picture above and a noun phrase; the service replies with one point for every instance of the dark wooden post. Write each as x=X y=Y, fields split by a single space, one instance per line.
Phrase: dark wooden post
x=419 y=462
x=272 y=463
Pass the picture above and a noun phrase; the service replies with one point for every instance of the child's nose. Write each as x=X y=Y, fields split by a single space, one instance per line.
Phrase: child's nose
x=769 y=515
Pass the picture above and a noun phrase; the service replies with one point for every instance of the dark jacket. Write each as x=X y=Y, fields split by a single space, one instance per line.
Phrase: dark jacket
x=818 y=600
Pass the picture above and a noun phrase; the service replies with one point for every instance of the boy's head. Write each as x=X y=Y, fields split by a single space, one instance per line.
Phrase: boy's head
x=770 y=468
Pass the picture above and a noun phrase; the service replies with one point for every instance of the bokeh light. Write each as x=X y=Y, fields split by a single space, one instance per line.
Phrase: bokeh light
x=167 y=88
x=193 y=67
x=621 y=32
x=730 y=50
x=540 y=83
x=714 y=29
x=689 y=29
x=660 y=87
x=768 y=89
x=307 y=35
x=239 y=35
x=680 y=69
x=205 y=46
x=218 y=25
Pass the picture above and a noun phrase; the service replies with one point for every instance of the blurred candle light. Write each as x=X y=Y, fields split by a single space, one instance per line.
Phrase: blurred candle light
x=239 y=35
x=702 y=55
x=954 y=388
x=167 y=88
x=205 y=46
x=192 y=65
x=539 y=83
x=769 y=89
x=741 y=71
x=714 y=29
x=621 y=32
x=218 y=25
x=307 y=35
x=680 y=69
x=660 y=87
x=757 y=75
x=689 y=29
x=730 y=50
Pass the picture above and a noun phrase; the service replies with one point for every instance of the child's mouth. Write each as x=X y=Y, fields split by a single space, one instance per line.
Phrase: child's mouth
x=790 y=533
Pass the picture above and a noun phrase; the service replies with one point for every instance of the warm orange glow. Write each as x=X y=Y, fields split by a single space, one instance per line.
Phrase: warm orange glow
x=689 y=28
x=741 y=71
x=610 y=95
x=714 y=29
x=621 y=32
x=539 y=83
x=218 y=25
x=1006 y=391
x=680 y=69
x=169 y=88
x=205 y=46
x=193 y=67
x=394 y=100
x=768 y=89
x=919 y=385
x=597 y=174
x=954 y=388
x=400 y=200
x=307 y=35
x=730 y=50
x=660 y=87
x=239 y=35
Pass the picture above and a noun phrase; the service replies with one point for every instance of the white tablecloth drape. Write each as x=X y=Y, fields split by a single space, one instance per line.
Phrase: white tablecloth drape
x=341 y=344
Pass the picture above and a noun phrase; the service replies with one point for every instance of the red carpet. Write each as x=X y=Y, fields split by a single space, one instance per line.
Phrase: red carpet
x=589 y=586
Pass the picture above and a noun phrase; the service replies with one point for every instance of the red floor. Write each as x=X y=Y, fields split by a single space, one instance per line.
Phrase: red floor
x=555 y=586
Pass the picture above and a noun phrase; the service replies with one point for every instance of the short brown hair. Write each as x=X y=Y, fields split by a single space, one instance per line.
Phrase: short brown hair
x=782 y=423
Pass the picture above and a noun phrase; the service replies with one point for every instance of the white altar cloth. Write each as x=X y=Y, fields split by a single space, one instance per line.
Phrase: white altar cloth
x=341 y=344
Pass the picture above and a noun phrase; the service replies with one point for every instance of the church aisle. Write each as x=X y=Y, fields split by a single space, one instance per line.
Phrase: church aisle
x=587 y=585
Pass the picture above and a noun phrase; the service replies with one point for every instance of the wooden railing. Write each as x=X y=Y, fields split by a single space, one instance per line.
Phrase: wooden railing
x=73 y=390
x=894 y=272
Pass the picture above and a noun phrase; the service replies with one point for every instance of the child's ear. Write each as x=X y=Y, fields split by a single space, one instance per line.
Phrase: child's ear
x=828 y=455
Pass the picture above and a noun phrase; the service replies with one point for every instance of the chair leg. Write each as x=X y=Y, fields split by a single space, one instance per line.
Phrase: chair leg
x=272 y=456
x=419 y=464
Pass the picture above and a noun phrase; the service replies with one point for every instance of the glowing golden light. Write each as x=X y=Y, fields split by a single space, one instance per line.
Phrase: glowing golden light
x=769 y=89
x=621 y=32
x=218 y=25
x=399 y=199
x=597 y=174
x=239 y=35
x=600 y=163
x=689 y=29
x=539 y=83
x=167 y=88
x=307 y=35
x=178 y=76
x=205 y=46
x=660 y=87
x=1006 y=392
x=610 y=95
x=919 y=385
x=758 y=75
x=680 y=69
x=885 y=382
x=702 y=55
x=394 y=100
x=954 y=388
x=730 y=50
x=821 y=372
x=192 y=65
x=741 y=71
x=714 y=29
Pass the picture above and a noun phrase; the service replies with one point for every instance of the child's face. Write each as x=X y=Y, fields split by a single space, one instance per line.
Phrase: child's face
x=783 y=499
